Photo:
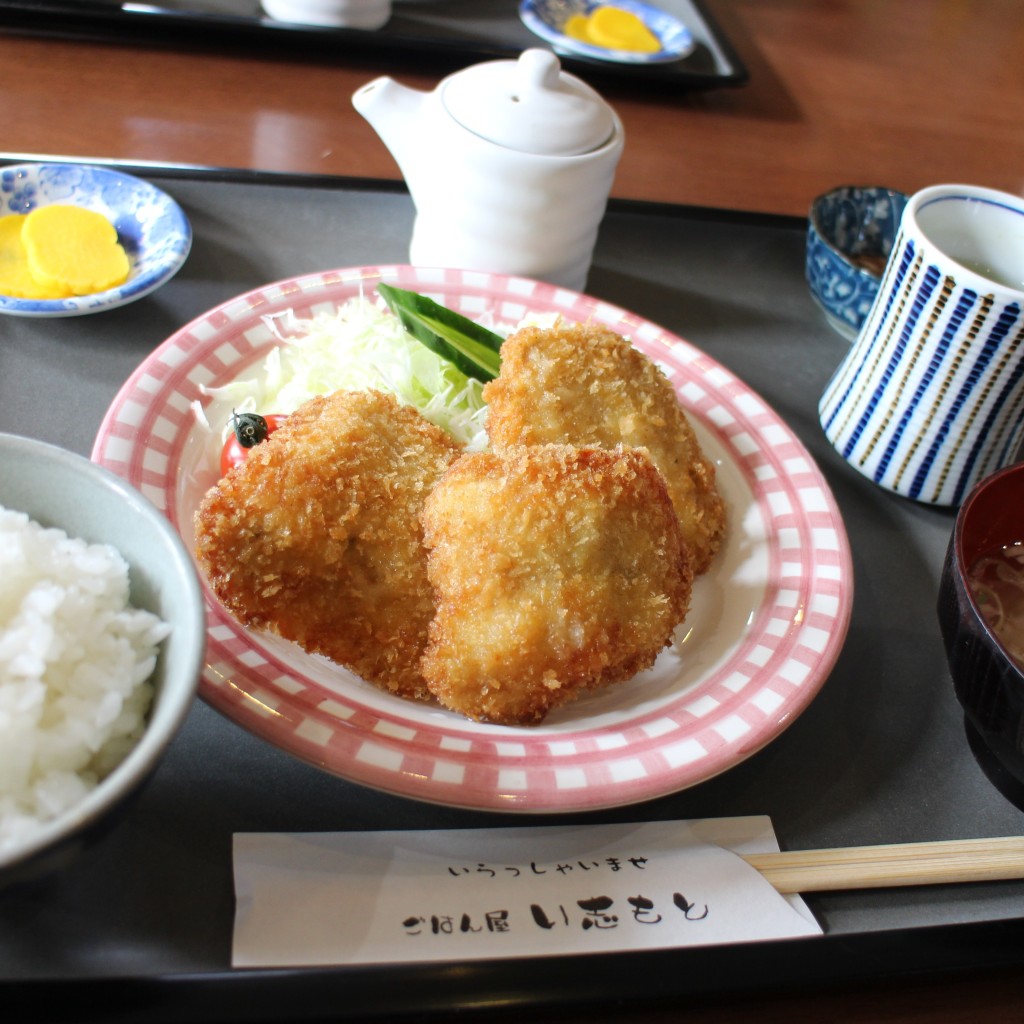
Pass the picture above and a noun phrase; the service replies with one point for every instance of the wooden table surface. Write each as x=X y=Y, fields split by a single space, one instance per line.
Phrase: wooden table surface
x=841 y=92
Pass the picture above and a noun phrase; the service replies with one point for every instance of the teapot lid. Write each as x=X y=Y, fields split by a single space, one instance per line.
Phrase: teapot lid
x=529 y=105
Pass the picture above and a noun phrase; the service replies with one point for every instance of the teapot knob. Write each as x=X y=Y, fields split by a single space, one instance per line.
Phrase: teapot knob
x=538 y=69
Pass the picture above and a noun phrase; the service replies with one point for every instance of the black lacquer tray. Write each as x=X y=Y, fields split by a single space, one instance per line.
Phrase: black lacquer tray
x=139 y=926
x=444 y=34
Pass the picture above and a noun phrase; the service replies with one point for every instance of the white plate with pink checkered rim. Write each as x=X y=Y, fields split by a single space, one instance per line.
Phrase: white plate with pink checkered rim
x=766 y=626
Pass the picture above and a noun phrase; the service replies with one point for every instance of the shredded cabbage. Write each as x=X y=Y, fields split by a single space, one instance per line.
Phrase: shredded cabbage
x=359 y=346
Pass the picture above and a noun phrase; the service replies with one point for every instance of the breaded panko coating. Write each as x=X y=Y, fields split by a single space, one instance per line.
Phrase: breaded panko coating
x=556 y=570
x=587 y=385
x=316 y=536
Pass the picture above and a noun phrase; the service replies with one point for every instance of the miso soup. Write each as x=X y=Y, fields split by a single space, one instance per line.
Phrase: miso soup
x=996 y=580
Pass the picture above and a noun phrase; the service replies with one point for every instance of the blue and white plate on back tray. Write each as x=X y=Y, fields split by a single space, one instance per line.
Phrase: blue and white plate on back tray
x=547 y=18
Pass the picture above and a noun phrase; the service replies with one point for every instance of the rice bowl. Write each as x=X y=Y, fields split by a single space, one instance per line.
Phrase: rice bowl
x=75 y=660
x=123 y=567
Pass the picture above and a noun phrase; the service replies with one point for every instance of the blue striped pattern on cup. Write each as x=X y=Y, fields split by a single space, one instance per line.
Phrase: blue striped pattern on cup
x=930 y=399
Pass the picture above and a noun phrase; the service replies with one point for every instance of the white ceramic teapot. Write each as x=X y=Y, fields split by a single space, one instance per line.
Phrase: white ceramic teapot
x=509 y=164
x=361 y=14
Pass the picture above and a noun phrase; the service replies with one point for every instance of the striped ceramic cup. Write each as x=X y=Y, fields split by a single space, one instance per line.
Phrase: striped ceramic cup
x=930 y=397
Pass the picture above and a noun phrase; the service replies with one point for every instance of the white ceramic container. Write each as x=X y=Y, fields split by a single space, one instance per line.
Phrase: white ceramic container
x=362 y=14
x=60 y=489
x=509 y=164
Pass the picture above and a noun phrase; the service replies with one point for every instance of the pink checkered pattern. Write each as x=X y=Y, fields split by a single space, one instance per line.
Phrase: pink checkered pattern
x=652 y=738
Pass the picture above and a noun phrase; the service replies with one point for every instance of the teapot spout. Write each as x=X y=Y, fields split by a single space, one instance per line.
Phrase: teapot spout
x=392 y=110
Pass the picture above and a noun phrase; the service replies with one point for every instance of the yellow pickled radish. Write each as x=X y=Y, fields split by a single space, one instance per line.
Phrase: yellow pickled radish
x=16 y=279
x=617 y=29
x=576 y=27
x=612 y=28
x=73 y=249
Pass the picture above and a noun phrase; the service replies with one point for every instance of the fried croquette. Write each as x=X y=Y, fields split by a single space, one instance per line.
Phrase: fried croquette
x=586 y=385
x=316 y=536
x=556 y=570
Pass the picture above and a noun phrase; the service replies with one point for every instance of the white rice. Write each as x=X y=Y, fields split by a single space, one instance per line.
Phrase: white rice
x=75 y=658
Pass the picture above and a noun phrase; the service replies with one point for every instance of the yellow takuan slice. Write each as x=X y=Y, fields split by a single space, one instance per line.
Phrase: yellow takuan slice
x=575 y=27
x=612 y=28
x=16 y=279
x=73 y=248
x=621 y=30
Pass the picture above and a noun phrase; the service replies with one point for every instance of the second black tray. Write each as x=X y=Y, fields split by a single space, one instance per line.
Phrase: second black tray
x=443 y=33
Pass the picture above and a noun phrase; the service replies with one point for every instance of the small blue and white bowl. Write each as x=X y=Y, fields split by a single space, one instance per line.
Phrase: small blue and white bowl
x=850 y=234
x=152 y=228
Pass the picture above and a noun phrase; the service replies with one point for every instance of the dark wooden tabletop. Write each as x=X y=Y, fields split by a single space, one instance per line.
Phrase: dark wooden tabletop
x=838 y=93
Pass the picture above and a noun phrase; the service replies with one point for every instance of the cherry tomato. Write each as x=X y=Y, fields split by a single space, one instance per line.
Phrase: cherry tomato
x=249 y=429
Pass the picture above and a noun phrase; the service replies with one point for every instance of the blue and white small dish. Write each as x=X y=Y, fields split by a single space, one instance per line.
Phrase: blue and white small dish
x=546 y=19
x=152 y=228
x=850 y=233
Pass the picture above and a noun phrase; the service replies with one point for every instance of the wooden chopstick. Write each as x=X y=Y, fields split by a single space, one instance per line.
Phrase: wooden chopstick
x=872 y=867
